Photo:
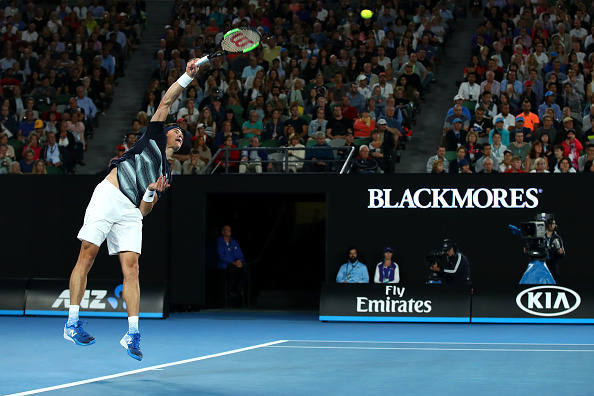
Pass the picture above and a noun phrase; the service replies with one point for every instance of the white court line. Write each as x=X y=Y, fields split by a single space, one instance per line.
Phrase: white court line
x=439 y=343
x=436 y=349
x=160 y=366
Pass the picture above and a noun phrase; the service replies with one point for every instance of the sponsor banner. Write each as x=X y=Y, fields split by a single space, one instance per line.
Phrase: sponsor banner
x=101 y=298
x=12 y=296
x=533 y=304
x=372 y=302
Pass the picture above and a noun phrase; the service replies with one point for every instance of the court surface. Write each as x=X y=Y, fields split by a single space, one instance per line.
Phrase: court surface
x=267 y=353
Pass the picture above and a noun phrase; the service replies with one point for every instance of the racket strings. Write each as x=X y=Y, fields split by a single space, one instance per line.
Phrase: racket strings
x=240 y=41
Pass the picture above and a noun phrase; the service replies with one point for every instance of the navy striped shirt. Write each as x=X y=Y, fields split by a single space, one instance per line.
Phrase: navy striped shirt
x=143 y=163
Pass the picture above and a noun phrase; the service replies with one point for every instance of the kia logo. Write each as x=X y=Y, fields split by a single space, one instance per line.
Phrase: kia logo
x=548 y=300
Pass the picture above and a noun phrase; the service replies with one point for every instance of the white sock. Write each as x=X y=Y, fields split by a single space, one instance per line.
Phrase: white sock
x=72 y=315
x=132 y=324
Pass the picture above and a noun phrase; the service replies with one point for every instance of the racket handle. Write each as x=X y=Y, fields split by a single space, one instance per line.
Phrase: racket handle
x=202 y=60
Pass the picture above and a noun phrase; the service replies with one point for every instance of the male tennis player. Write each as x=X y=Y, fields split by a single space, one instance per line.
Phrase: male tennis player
x=133 y=186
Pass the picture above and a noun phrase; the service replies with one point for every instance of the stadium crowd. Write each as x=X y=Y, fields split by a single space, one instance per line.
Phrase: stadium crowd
x=525 y=101
x=323 y=77
x=59 y=65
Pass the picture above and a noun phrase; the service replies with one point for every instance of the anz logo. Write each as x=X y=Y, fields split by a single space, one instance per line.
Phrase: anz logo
x=548 y=300
x=92 y=299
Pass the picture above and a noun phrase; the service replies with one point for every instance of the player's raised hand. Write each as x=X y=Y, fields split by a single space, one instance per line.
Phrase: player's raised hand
x=191 y=68
x=160 y=185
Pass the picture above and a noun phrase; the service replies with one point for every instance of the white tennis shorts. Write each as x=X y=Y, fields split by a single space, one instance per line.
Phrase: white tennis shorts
x=111 y=215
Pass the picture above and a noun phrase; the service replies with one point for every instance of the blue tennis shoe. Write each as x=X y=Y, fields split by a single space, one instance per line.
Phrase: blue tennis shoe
x=132 y=343
x=77 y=334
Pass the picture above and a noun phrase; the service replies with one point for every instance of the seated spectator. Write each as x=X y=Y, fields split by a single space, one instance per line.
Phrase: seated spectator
x=456 y=115
x=573 y=148
x=32 y=143
x=318 y=124
x=274 y=129
x=15 y=169
x=189 y=112
x=67 y=143
x=296 y=157
x=473 y=149
x=252 y=127
x=204 y=152
x=254 y=160
x=206 y=118
x=486 y=153
x=5 y=161
x=439 y=156
x=27 y=125
x=378 y=151
x=27 y=161
x=364 y=125
x=565 y=166
x=456 y=136
x=455 y=163
x=540 y=166
x=516 y=166
x=176 y=166
x=120 y=150
x=353 y=271
x=588 y=156
x=54 y=155
x=519 y=148
x=194 y=165
x=39 y=168
x=387 y=271
x=464 y=166
x=230 y=158
x=499 y=128
x=318 y=159
x=364 y=164
x=536 y=152
x=338 y=126
x=488 y=166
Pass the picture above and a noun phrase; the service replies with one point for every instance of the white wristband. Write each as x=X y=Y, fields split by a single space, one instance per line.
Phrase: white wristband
x=149 y=196
x=184 y=80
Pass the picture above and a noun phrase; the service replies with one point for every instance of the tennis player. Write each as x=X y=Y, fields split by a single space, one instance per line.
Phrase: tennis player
x=130 y=191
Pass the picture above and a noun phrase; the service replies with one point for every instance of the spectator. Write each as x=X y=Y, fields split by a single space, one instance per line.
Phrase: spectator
x=364 y=125
x=499 y=128
x=564 y=166
x=455 y=164
x=487 y=153
x=5 y=161
x=39 y=168
x=27 y=161
x=353 y=271
x=364 y=164
x=252 y=127
x=439 y=156
x=536 y=152
x=295 y=157
x=194 y=165
x=540 y=166
x=516 y=166
x=456 y=136
x=387 y=271
x=588 y=156
x=317 y=158
x=437 y=167
x=573 y=148
x=254 y=160
x=488 y=166
x=519 y=148
x=204 y=152
x=318 y=124
x=120 y=150
x=228 y=160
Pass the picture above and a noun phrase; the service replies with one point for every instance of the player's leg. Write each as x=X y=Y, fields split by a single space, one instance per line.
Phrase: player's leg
x=73 y=330
x=131 y=295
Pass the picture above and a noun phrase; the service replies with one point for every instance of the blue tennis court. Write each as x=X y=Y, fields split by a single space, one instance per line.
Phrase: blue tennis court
x=260 y=353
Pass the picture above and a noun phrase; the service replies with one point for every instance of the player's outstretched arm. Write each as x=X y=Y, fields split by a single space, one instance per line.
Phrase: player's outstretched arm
x=174 y=91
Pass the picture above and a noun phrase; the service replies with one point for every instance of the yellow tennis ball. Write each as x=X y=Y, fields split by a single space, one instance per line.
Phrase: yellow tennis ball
x=366 y=14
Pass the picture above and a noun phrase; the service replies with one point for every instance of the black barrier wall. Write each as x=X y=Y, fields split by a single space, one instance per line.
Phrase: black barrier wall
x=41 y=217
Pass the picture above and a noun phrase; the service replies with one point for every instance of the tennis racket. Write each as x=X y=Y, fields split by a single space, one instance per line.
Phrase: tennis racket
x=233 y=42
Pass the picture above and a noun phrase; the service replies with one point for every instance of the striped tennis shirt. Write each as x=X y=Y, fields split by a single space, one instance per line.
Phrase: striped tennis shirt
x=143 y=163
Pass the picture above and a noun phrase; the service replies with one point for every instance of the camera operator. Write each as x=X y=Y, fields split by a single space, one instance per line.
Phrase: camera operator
x=555 y=247
x=456 y=268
